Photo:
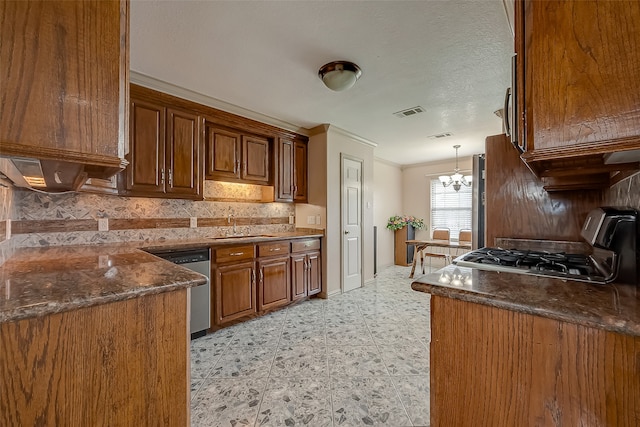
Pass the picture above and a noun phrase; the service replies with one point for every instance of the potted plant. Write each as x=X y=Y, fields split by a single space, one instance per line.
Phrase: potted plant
x=404 y=227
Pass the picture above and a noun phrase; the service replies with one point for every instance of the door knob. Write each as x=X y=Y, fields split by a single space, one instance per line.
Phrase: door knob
x=346 y=231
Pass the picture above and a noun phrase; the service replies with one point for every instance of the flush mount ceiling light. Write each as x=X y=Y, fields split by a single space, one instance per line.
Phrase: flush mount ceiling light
x=339 y=75
x=457 y=180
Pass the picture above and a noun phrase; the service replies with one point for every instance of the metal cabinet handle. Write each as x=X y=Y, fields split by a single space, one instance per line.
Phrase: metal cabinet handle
x=274 y=249
x=162 y=176
x=236 y=253
x=171 y=177
x=505 y=112
x=261 y=276
x=253 y=276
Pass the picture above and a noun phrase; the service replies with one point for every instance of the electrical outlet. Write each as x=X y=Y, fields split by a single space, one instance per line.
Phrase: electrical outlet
x=103 y=224
x=193 y=222
x=104 y=261
x=311 y=219
x=8 y=229
x=292 y=219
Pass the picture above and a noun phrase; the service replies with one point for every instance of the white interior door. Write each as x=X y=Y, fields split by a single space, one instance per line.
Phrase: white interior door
x=351 y=224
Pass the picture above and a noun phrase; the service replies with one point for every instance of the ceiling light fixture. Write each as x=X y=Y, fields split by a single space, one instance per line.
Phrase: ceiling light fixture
x=457 y=180
x=339 y=75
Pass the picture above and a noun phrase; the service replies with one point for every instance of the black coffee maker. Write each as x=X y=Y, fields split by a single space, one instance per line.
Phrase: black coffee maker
x=614 y=234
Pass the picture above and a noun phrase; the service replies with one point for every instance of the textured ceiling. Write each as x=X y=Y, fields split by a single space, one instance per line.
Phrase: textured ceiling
x=450 y=57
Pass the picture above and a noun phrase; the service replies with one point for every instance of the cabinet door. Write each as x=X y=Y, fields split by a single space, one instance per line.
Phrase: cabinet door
x=298 y=276
x=183 y=153
x=146 y=171
x=300 y=171
x=582 y=68
x=314 y=271
x=255 y=159
x=285 y=176
x=274 y=288
x=223 y=154
x=235 y=292
x=64 y=80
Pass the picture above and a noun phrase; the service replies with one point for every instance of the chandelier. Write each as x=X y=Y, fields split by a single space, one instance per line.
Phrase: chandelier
x=457 y=180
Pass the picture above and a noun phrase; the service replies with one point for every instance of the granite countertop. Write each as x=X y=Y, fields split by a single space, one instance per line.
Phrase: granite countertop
x=612 y=307
x=40 y=281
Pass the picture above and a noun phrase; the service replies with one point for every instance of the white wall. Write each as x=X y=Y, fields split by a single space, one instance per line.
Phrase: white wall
x=387 y=202
x=326 y=144
x=416 y=188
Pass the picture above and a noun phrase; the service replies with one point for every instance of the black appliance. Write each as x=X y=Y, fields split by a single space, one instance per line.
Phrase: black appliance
x=613 y=235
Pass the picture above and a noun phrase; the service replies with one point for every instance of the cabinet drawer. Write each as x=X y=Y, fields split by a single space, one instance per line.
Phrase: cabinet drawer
x=305 y=245
x=273 y=248
x=235 y=253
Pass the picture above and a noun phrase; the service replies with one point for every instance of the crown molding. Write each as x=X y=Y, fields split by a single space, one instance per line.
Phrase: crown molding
x=329 y=128
x=387 y=162
x=171 y=89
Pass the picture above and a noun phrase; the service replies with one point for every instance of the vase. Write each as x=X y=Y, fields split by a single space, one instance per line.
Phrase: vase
x=402 y=251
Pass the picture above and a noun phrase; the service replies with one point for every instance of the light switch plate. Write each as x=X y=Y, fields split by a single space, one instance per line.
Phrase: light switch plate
x=291 y=219
x=103 y=224
x=103 y=261
x=193 y=222
x=8 y=229
x=318 y=221
x=311 y=219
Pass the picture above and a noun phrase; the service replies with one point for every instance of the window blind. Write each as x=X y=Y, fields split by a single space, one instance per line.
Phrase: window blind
x=450 y=208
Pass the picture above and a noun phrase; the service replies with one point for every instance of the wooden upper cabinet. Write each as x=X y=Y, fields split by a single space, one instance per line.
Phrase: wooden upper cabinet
x=183 y=152
x=166 y=145
x=255 y=159
x=300 y=171
x=64 y=82
x=235 y=156
x=223 y=154
x=145 y=172
x=291 y=181
x=284 y=178
x=578 y=73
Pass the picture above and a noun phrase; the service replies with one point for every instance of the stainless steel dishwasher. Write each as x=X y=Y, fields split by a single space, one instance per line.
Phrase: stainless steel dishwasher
x=197 y=260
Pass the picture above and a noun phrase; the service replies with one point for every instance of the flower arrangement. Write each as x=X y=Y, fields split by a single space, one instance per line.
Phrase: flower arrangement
x=397 y=222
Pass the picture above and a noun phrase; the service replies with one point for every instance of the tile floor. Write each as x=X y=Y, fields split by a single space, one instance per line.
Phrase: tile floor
x=360 y=358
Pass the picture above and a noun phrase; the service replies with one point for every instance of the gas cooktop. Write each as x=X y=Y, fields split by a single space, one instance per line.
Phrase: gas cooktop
x=541 y=263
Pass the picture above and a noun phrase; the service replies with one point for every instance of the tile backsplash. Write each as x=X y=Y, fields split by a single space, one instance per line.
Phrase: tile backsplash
x=625 y=193
x=64 y=219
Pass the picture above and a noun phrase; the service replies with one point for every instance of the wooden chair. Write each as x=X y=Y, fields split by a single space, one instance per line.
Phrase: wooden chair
x=438 y=234
x=465 y=236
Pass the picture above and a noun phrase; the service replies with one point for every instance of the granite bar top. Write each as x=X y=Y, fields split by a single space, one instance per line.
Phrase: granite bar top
x=40 y=281
x=612 y=307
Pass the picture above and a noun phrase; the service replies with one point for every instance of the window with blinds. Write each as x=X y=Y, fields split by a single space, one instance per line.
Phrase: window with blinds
x=450 y=208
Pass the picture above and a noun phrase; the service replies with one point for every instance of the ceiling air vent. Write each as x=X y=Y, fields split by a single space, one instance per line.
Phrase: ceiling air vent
x=409 y=112
x=440 y=135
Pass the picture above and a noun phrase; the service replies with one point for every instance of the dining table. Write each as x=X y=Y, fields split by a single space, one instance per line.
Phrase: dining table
x=421 y=247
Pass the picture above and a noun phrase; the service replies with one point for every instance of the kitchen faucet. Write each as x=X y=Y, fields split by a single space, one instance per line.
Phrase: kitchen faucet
x=235 y=230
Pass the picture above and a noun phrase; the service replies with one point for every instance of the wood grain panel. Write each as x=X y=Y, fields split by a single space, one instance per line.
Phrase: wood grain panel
x=234 y=292
x=3 y=231
x=285 y=174
x=124 y=363
x=53 y=226
x=500 y=368
x=140 y=223
x=517 y=206
x=274 y=289
x=305 y=245
x=256 y=152
x=62 y=67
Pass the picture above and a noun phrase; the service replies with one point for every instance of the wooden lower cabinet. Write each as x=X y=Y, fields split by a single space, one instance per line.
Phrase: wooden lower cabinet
x=121 y=363
x=235 y=291
x=306 y=268
x=298 y=276
x=496 y=367
x=274 y=288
